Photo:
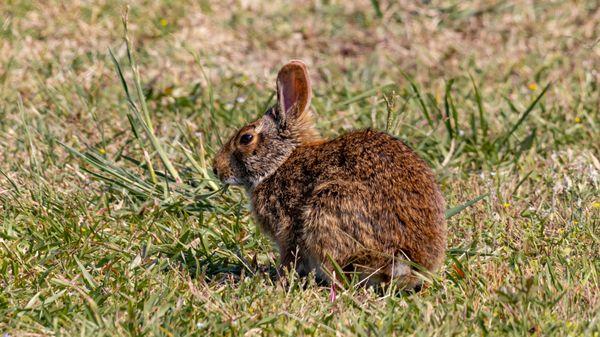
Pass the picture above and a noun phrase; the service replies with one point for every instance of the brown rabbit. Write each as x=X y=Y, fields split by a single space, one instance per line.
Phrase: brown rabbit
x=364 y=200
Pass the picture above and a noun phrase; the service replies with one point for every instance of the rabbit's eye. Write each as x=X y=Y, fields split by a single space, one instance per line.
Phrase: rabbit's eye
x=246 y=138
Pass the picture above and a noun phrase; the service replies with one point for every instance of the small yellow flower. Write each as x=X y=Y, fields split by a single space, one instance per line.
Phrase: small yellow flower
x=577 y=120
x=102 y=151
x=163 y=22
x=532 y=86
x=596 y=204
x=506 y=205
x=575 y=222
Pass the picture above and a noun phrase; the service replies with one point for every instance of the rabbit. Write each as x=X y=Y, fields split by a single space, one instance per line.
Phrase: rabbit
x=363 y=200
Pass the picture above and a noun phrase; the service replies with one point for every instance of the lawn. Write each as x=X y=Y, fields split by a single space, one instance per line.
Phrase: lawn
x=112 y=223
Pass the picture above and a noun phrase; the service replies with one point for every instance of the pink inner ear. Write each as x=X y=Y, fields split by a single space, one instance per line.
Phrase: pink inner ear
x=293 y=88
x=290 y=92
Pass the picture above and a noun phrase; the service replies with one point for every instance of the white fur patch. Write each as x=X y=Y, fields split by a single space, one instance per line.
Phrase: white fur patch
x=400 y=270
x=232 y=181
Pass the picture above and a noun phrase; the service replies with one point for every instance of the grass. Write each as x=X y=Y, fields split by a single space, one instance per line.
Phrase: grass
x=112 y=225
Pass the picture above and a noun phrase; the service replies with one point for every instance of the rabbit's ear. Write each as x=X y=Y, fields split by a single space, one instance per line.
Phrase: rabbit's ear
x=293 y=90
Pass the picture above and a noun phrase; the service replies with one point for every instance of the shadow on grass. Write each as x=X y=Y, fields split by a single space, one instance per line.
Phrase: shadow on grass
x=216 y=269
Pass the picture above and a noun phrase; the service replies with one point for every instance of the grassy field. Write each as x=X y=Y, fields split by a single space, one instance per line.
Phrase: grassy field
x=111 y=225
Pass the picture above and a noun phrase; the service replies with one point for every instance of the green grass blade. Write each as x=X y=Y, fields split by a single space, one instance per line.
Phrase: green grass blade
x=340 y=276
x=417 y=92
x=482 y=121
x=448 y=110
x=120 y=73
x=523 y=117
x=377 y=8
x=455 y=210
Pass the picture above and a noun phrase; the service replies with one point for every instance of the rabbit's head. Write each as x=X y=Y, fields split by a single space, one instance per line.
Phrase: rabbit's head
x=256 y=150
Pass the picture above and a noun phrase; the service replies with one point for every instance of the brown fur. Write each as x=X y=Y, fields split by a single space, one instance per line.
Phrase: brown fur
x=364 y=199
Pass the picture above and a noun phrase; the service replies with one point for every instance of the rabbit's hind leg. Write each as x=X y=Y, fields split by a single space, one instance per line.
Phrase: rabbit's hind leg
x=403 y=276
x=335 y=226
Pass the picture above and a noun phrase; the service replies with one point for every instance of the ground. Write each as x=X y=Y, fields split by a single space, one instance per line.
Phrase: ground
x=111 y=224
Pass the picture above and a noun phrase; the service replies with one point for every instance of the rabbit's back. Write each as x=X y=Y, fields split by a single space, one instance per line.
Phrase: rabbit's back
x=362 y=192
